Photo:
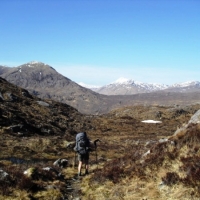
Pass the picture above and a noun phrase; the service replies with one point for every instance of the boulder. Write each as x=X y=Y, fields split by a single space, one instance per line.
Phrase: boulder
x=42 y=103
x=3 y=174
x=16 y=128
x=195 y=119
x=11 y=96
x=45 y=130
x=51 y=169
x=182 y=130
x=61 y=163
x=147 y=153
x=25 y=93
x=162 y=140
x=30 y=172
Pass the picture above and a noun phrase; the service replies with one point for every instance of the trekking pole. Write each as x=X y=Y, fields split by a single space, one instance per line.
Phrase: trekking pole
x=74 y=159
x=95 y=143
x=96 y=155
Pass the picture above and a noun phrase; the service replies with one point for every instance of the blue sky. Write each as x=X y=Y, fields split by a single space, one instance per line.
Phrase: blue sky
x=99 y=41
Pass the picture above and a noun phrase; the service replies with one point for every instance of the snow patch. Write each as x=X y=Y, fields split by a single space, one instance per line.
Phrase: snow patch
x=88 y=86
x=123 y=80
x=35 y=62
x=151 y=121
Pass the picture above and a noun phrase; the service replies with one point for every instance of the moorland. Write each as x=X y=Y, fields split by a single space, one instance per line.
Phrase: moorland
x=134 y=160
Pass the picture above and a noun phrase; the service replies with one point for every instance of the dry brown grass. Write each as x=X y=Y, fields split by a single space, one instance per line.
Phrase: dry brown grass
x=122 y=172
x=141 y=178
x=39 y=144
x=51 y=194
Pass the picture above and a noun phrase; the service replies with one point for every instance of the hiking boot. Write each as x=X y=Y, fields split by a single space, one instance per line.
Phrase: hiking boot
x=86 y=172
x=79 y=174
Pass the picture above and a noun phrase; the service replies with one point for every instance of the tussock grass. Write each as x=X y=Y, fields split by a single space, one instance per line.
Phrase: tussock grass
x=39 y=144
x=170 y=171
x=22 y=194
x=121 y=171
x=51 y=194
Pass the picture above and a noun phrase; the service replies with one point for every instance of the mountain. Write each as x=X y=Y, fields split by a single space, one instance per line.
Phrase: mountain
x=45 y=82
x=124 y=86
x=190 y=86
x=34 y=133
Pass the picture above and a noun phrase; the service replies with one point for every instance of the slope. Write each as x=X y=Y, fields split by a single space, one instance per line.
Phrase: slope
x=45 y=82
x=26 y=114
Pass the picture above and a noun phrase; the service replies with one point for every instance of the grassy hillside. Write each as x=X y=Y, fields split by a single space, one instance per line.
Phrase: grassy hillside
x=134 y=160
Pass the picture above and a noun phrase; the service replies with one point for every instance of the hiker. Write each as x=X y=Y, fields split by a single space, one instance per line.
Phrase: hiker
x=83 y=147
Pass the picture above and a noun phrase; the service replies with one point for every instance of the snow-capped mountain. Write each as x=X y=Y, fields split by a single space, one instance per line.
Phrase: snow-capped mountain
x=148 y=86
x=123 y=86
x=186 y=84
x=189 y=86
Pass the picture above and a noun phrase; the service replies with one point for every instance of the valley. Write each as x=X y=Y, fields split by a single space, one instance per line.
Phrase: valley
x=41 y=112
x=134 y=160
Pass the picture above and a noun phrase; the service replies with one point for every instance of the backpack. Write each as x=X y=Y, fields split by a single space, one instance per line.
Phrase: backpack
x=82 y=143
